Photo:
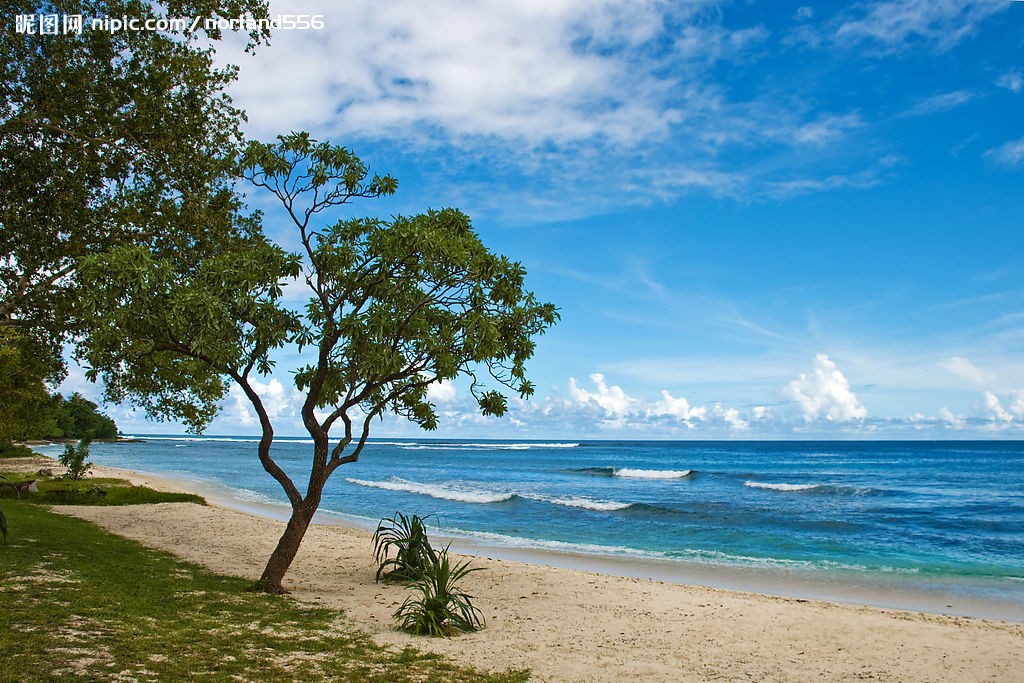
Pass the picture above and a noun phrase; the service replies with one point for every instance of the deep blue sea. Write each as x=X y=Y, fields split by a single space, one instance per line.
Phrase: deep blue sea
x=946 y=517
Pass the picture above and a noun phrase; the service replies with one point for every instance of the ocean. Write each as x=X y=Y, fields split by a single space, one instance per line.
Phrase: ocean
x=917 y=524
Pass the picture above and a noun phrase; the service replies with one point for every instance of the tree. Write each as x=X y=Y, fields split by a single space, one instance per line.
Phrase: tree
x=394 y=307
x=24 y=400
x=78 y=417
x=106 y=137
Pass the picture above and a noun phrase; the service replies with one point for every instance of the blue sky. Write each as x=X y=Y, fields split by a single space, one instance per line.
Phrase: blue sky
x=758 y=219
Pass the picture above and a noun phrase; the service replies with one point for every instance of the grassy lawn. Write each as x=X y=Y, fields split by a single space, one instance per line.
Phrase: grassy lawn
x=91 y=491
x=79 y=603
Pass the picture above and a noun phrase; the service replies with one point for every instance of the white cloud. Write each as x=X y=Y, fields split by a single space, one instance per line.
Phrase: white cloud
x=952 y=420
x=939 y=103
x=678 y=409
x=534 y=71
x=826 y=129
x=962 y=367
x=993 y=408
x=824 y=394
x=731 y=416
x=612 y=400
x=1017 y=406
x=442 y=393
x=1010 y=154
x=1012 y=80
x=894 y=24
x=277 y=401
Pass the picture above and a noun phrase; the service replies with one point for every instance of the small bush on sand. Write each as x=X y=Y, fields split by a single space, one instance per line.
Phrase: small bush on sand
x=407 y=536
x=438 y=608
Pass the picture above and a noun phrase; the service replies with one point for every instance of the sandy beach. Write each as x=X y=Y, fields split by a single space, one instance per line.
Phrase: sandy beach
x=571 y=625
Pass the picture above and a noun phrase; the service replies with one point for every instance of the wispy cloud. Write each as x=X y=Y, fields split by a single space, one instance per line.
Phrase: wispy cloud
x=1012 y=80
x=895 y=25
x=1010 y=154
x=936 y=104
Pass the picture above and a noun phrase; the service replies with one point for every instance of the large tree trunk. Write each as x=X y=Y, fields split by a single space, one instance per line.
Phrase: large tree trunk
x=285 y=552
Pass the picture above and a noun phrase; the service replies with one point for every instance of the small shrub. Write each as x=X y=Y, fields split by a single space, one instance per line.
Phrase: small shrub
x=10 y=450
x=439 y=608
x=408 y=537
x=74 y=459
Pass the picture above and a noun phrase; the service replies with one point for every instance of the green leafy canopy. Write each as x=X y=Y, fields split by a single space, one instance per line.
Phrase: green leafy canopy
x=394 y=306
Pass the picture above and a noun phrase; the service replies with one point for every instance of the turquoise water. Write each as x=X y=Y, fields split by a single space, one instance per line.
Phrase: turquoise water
x=943 y=516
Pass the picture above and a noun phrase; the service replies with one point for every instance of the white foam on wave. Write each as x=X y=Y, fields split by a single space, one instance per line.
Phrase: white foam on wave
x=218 y=439
x=580 y=502
x=484 y=446
x=652 y=474
x=462 y=494
x=781 y=487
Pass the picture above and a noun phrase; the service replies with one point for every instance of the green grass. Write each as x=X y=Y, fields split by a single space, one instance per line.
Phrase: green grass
x=80 y=603
x=92 y=491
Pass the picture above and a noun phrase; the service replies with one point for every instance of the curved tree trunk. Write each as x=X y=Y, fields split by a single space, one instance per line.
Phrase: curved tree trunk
x=285 y=552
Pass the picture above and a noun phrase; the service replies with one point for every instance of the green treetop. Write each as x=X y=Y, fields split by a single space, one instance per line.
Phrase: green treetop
x=395 y=305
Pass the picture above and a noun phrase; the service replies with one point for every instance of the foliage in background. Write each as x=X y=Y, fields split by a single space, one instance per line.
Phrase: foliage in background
x=74 y=460
x=439 y=608
x=178 y=619
x=24 y=399
x=407 y=536
x=79 y=418
x=107 y=138
x=394 y=307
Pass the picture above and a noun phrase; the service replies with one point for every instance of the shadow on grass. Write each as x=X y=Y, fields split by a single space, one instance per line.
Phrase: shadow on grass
x=81 y=603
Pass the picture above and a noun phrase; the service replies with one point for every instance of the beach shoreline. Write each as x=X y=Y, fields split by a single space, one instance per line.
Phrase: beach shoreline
x=855 y=590
x=567 y=624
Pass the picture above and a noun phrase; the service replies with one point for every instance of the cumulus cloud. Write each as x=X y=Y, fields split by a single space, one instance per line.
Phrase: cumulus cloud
x=278 y=402
x=993 y=408
x=824 y=394
x=678 y=409
x=612 y=400
x=952 y=420
x=442 y=393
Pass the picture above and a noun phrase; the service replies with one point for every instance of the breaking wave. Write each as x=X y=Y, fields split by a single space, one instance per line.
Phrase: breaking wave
x=807 y=488
x=441 y=491
x=632 y=473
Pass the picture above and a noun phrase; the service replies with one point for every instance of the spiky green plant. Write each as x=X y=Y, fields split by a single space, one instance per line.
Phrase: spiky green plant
x=74 y=459
x=407 y=536
x=3 y=526
x=438 y=608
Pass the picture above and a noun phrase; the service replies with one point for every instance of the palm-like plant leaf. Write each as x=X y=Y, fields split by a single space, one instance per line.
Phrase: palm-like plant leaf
x=3 y=525
x=439 y=608
x=407 y=536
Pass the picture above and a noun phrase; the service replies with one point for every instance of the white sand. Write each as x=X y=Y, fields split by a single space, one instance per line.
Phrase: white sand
x=568 y=625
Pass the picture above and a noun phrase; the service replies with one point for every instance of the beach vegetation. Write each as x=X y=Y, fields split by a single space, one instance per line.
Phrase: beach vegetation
x=75 y=460
x=438 y=607
x=407 y=536
x=394 y=307
x=106 y=138
x=91 y=491
x=14 y=450
x=81 y=603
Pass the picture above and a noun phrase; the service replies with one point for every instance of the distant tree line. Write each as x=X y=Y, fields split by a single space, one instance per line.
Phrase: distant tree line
x=75 y=417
